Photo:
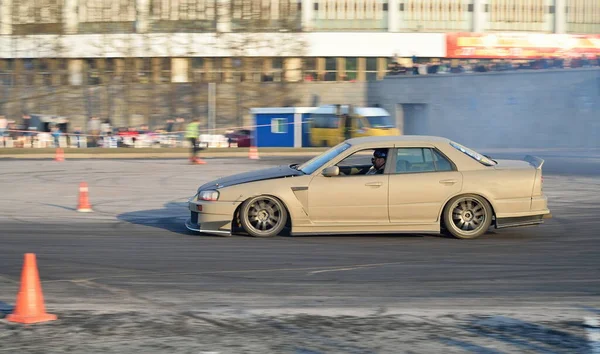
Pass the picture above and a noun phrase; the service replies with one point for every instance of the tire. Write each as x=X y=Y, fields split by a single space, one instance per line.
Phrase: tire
x=263 y=216
x=467 y=216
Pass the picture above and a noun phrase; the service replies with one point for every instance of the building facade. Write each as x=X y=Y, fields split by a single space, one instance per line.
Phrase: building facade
x=94 y=42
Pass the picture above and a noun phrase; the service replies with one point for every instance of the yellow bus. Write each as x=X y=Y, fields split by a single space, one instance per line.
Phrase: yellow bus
x=330 y=125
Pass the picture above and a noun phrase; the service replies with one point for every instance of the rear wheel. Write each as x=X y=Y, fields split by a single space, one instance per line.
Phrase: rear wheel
x=263 y=216
x=467 y=216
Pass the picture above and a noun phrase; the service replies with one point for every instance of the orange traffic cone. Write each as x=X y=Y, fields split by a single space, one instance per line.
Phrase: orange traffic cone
x=197 y=161
x=84 y=203
x=30 y=300
x=253 y=153
x=60 y=155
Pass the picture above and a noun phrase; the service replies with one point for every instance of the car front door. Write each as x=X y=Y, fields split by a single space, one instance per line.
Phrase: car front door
x=422 y=181
x=353 y=198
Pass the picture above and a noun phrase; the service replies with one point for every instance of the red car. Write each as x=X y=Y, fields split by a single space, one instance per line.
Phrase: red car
x=242 y=137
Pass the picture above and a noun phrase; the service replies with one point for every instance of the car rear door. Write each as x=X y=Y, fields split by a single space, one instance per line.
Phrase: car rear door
x=422 y=180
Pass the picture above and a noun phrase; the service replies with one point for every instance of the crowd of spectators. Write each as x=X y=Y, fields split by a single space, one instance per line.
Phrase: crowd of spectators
x=455 y=66
x=28 y=130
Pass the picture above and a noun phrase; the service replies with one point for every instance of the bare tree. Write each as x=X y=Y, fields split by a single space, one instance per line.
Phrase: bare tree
x=263 y=47
x=266 y=46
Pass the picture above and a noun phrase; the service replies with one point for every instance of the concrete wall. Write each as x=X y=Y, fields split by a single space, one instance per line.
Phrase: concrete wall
x=530 y=109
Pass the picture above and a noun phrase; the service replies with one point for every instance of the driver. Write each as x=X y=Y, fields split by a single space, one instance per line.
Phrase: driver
x=378 y=161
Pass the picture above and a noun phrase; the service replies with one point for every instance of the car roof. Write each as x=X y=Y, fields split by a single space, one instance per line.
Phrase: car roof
x=398 y=139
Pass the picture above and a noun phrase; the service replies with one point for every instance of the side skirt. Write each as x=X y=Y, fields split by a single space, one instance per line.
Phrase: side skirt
x=366 y=229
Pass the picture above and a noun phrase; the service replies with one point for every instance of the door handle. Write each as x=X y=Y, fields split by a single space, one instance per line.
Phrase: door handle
x=448 y=181
x=373 y=184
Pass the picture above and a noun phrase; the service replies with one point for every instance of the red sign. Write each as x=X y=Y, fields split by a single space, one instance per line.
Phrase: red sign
x=520 y=45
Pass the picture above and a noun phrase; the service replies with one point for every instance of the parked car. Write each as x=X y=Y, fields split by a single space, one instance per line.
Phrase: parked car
x=427 y=185
x=241 y=137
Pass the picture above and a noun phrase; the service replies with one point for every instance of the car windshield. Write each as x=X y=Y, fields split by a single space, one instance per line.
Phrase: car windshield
x=313 y=164
x=380 y=122
x=473 y=154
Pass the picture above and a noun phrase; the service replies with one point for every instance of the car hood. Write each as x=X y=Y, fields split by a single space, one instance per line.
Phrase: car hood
x=252 y=176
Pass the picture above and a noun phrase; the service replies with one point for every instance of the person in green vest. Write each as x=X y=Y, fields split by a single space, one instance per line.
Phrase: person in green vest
x=192 y=132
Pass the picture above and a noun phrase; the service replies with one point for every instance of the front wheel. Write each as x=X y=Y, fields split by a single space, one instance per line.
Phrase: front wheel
x=467 y=216
x=263 y=216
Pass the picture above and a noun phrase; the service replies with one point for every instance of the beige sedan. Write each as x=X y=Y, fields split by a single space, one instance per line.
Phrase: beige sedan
x=372 y=185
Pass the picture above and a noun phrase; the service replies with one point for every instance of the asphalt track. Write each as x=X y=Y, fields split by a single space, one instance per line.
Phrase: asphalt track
x=129 y=277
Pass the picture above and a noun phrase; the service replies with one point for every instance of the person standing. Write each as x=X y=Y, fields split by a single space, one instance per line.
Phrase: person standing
x=192 y=133
x=56 y=133
x=3 y=129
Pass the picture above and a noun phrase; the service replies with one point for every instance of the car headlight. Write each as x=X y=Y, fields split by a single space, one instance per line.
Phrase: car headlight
x=208 y=195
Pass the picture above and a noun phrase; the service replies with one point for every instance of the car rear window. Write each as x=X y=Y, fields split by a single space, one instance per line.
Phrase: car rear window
x=473 y=154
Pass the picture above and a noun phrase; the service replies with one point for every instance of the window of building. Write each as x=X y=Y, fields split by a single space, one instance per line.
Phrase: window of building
x=6 y=71
x=63 y=71
x=583 y=16
x=526 y=15
x=130 y=71
x=435 y=15
x=110 y=70
x=309 y=69
x=330 y=69
x=277 y=69
x=106 y=16
x=28 y=73
x=351 y=69
x=165 y=70
x=278 y=125
x=37 y=17
x=197 y=72
x=366 y=15
x=182 y=15
x=143 y=70
x=237 y=69
x=44 y=72
x=255 y=69
x=265 y=15
x=217 y=70
x=371 y=72
x=92 y=72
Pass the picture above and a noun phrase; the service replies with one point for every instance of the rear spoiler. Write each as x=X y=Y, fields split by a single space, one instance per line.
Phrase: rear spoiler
x=534 y=161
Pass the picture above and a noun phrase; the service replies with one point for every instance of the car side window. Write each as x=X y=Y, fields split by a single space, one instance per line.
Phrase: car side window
x=358 y=163
x=359 y=158
x=442 y=163
x=411 y=160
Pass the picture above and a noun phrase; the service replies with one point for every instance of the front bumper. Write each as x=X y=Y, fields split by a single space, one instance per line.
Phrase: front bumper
x=207 y=228
x=210 y=217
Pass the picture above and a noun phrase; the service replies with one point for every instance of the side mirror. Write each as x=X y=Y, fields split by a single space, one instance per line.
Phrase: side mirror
x=331 y=171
